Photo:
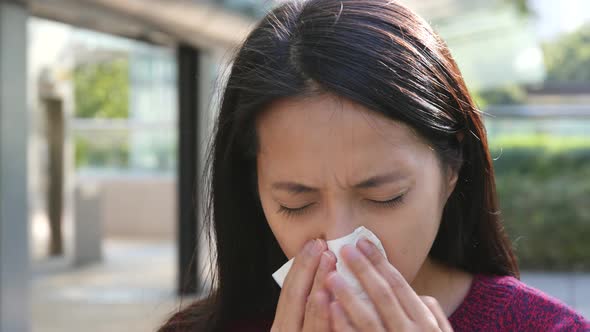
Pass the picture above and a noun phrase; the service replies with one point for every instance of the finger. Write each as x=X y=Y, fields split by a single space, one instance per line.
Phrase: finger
x=327 y=265
x=319 y=300
x=360 y=313
x=339 y=322
x=406 y=296
x=317 y=314
x=441 y=318
x=387 y=305
x=297 y=285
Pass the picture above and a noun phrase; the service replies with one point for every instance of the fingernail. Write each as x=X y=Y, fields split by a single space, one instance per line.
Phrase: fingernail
x=308 y=246
x=336 y=282
x=332 y=255
x=325 y=260
x=315 y=247
x=350 y=252
x=366 y=246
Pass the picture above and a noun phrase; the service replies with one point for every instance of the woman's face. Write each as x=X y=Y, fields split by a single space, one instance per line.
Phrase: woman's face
x=327 y=165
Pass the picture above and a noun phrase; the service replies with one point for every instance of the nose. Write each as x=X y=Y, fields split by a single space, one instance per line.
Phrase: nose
x=338 y=224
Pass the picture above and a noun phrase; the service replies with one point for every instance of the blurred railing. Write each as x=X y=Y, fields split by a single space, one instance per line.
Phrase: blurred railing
x=117 y=146
x=554 y=120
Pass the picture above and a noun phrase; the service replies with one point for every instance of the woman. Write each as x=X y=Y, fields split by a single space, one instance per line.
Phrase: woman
x=339 y=114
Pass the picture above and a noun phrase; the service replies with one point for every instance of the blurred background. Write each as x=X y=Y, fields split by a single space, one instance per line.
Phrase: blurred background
x=106 y=107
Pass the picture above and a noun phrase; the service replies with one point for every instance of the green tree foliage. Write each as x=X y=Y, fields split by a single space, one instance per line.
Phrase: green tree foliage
x=568 y=58
x=102 y=89
x=504 y=95
x=102 y=92
x=522 y=6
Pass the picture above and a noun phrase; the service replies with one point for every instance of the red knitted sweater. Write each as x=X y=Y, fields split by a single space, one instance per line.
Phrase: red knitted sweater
x=495 y=304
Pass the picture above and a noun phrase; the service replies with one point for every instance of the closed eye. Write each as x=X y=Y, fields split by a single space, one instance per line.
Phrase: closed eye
x=291 y=212
x=294 y=211
x=391 y=202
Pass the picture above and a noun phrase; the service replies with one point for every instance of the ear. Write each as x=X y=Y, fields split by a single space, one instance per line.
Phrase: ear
x=452 y=175
x=453 y=169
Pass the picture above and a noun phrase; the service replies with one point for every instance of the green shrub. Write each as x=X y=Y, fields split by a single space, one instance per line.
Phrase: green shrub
x=109 y=153
x=544 y=194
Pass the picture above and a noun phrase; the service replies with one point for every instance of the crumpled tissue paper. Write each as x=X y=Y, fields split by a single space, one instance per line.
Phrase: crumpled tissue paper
x=334 y=246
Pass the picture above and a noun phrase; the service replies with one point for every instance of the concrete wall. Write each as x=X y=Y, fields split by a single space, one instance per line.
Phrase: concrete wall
x=134 y=207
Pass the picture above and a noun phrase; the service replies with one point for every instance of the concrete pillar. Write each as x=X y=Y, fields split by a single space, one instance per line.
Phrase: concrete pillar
x=87 y=239
x=14 y=132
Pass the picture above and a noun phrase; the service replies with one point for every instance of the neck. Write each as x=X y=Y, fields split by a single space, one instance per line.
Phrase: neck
x=448 y=286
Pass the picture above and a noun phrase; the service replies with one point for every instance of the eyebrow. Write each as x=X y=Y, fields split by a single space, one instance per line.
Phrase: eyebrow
x=371 y=182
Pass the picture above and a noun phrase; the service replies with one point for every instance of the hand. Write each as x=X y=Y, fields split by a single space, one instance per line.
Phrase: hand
x=394 y=304
x=304 y=300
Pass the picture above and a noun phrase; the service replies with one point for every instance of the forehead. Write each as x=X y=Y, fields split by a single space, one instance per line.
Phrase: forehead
x=325 y=130
x=326 y=116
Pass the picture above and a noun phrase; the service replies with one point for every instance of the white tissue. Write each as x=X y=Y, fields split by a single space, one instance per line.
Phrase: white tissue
x=335 y=246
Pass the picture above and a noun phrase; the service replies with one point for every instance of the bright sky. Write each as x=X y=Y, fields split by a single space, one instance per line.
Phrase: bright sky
x=556 y=17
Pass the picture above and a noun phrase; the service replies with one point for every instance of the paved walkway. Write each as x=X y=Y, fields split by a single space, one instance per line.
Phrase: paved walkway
x=133 y=290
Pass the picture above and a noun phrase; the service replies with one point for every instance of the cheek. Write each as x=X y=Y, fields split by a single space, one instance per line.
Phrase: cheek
x=291 y=239
x=410 y=236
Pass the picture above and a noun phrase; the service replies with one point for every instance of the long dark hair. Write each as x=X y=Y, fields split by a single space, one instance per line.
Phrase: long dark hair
x=378 y=54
